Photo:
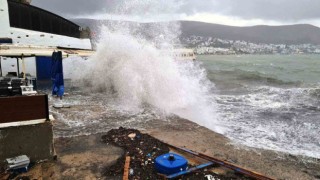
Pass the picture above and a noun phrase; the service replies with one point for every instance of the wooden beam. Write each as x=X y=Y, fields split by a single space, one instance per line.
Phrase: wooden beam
x=126 y=168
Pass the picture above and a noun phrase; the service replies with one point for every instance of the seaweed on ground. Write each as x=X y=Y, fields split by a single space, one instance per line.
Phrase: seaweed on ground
x=143 y=149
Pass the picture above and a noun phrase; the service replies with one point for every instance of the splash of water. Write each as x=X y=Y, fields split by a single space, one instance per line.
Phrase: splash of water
x=132 y=65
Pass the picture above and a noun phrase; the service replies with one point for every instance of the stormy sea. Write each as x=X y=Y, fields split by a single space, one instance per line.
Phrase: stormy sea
x=269 y=101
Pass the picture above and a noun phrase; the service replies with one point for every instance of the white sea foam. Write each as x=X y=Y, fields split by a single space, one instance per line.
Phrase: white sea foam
x=135 y=70
x=274 y=118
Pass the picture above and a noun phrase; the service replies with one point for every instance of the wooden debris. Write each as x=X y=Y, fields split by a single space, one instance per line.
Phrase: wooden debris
x=126 y=168
x=132 y=135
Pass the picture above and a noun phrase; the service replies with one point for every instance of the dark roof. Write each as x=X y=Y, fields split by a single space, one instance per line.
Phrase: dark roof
x=33 y=18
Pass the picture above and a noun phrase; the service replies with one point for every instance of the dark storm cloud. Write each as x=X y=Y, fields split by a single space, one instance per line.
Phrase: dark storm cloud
x=277 y=10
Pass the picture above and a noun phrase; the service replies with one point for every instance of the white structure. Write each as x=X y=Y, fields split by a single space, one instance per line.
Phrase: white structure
x=4 y=19
x=29 y=37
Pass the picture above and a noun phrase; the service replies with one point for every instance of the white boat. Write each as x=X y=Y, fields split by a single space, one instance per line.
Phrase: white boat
x=184 y=54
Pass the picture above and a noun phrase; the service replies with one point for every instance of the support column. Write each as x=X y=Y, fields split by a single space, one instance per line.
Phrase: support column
x=18 y=66
x=0 y=67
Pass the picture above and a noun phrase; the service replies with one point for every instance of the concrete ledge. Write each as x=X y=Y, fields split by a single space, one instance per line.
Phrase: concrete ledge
x=25 y=123
x=35 y=141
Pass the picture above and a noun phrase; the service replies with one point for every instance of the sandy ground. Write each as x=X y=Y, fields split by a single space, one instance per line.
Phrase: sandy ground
x=83 y=157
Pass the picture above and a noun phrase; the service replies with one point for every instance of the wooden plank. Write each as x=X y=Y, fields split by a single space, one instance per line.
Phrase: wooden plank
x=22 y=123
x=23 y=108
x=126 y=168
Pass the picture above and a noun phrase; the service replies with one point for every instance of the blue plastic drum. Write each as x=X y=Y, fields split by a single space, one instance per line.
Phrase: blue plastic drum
x=170 y=163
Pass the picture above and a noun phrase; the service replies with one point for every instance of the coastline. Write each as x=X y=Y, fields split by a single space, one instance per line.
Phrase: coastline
x=86 y=157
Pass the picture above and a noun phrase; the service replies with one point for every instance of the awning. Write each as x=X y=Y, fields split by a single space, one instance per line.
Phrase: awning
x=27 y=51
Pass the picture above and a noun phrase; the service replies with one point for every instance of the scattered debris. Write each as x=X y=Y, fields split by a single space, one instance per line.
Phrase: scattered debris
x=210 y=177
x=132 y=136
x=16 y=166
x=131 y=172
x=18 y=163
x=143 y=150
x=61 y=105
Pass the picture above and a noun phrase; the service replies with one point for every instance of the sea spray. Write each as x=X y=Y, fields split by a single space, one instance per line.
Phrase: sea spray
x=139 y=74
x=132 y=64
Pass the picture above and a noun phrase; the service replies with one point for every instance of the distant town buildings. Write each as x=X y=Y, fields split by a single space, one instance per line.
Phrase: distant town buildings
x=211 y=45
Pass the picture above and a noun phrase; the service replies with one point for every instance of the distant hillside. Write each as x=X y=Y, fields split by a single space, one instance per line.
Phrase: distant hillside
x=290 y=34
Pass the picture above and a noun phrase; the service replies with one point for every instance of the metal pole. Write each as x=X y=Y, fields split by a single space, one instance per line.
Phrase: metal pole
x=23 y=68
x=0 y=67
x=18 y=66
x=202 y=166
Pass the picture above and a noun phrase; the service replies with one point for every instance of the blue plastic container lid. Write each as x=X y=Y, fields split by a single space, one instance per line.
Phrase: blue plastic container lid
x=170 y=165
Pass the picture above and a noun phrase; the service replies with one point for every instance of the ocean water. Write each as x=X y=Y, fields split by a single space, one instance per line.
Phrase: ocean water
x=269 y=101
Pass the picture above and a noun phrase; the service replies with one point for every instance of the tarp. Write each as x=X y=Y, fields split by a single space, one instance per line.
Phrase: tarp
x=43 y=65
x=57 y=74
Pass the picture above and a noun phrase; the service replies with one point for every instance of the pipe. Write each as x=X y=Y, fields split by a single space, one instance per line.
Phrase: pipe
x=189 y=170
x=23 y=68
x=226 y=164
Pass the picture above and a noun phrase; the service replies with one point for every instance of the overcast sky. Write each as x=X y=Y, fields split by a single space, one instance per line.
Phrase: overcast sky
x=230 y=12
